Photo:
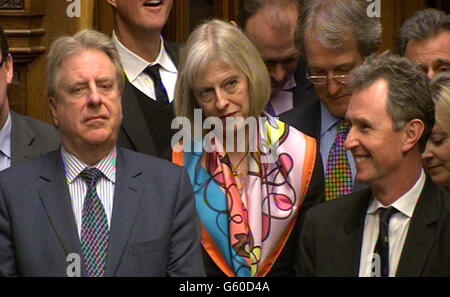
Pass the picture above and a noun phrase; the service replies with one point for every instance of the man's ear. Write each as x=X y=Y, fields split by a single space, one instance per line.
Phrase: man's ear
x=53 y=111
x=9 y=67
x=413 y=131
x=112 y=2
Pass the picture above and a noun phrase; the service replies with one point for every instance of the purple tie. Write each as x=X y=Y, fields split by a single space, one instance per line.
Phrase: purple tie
x=338 y=176
x=94 y=226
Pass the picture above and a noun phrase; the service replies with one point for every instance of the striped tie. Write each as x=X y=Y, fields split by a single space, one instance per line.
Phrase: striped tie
x=338 y=176
x=94 y=226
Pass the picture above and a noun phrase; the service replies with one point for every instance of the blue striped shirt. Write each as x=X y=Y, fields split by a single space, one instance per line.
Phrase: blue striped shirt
x=78 y=187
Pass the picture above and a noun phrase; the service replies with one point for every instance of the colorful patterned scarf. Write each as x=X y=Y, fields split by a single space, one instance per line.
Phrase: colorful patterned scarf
x=244 y=233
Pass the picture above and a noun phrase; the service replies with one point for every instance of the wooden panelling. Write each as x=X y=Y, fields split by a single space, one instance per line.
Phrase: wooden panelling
x=103 y=17
x=177 y=27
x=226 y=9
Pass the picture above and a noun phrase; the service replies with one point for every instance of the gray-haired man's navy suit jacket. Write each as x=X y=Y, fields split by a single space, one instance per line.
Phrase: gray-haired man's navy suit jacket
x=154 y=227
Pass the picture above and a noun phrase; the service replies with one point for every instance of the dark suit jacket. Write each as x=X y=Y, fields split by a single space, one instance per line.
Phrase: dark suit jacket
x=305 y=117
x=134 y=133
x=304 y=89
x=154 y=226
x=332 y=236
x=31 y=138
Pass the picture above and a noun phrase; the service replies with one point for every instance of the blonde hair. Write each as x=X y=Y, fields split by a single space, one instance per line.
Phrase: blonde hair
x=440 y=91
x=216 y=40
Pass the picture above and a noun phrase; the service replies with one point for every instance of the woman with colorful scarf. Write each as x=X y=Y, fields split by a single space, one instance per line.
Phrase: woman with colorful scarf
x=253 y=176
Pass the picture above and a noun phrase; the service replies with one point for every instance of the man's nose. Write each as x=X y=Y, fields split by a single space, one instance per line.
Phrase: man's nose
x=278 y=72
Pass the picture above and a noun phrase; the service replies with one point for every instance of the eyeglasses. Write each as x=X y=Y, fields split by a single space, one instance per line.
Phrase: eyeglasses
x=342 y=79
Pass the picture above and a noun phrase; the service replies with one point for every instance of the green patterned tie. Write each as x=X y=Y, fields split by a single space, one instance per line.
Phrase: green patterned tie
x=94 y=226
x=338 y=176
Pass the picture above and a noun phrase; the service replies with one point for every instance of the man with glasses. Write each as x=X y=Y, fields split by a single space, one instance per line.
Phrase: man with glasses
x=21 y=138
x=335 y=37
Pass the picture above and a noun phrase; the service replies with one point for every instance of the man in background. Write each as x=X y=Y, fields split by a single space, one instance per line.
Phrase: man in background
x=335 y=37
x=425 y=39
x=270 y=25
x=150 y=65
x=21 y=138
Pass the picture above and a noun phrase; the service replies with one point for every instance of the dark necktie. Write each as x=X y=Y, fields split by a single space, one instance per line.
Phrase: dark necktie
x=160 y=90
x=382 y=245
x=338 y=176
x=94 y=226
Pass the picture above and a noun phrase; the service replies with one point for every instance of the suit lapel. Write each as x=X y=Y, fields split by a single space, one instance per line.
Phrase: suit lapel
x=420 y=237
x=134 y=123
x=56 y=201
x=304 y=89
x=127 y=199
x=21 y=139
x=348 y=248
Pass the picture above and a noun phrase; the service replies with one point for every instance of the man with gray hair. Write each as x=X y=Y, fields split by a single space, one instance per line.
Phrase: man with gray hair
x=425 y=39
x=270 y=26
x=399 y=226
x=335 y=37
x=21 y=138
x=92 y=208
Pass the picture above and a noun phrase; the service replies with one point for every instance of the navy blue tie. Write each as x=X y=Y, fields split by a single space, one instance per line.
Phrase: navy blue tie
x=382 y=245
x=160 y=90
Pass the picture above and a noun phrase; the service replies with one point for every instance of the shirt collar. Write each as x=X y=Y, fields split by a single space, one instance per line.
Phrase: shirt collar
x=133 y=65
x=73 y=166
x=5 y=138
x=290 y=84
x=328 y=120
x=406 y=203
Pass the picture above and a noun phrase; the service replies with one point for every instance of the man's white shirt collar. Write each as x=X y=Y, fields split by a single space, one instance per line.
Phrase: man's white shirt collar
x=405 y=204
x=133 y=65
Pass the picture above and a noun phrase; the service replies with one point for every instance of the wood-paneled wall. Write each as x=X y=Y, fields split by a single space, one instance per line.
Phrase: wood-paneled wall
x=31 y=26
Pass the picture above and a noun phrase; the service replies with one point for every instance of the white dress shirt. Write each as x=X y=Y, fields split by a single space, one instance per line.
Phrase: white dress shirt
x=5 y=144
x=283 y=100
x=133 y=65
x=398 y=228
x=78 y=186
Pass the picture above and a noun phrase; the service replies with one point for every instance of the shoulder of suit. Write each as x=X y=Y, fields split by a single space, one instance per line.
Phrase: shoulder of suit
x=151 y=163
x=35 y=166
x=41 y=129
